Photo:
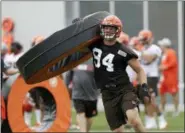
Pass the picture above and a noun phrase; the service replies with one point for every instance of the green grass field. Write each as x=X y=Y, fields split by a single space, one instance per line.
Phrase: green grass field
x=100 y=123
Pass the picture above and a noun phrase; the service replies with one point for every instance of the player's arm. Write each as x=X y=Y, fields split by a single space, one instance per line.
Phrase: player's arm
x=153 y=55
x=8 y=71
x=11 y=71
x=148 y=58
x=132 y=61
x=69 y=78
x=171 y=62
x=143 y=91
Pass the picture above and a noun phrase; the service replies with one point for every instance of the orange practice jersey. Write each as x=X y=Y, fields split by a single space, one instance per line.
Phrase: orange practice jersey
x=169 y=59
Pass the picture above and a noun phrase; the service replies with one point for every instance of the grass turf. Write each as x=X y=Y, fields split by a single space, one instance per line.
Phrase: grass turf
x=100 y=123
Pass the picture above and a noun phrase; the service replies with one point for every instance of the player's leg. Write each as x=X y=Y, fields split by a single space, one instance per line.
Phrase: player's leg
x=146 y=118
x=130 y=107
x=163 y=102
x=91 y=111
x=76 y=125
x=79 y=106
x=119 y=129
x=173 y=90
x=150 y=121
x=35 y=95
x=161 y=120
x=113 y=112
x=28 y=106
x=82 y=121
x=27 y=118
x=175 y=99
x=134 y=120
x=162 y=91
x=89 y=124
x=153 y=107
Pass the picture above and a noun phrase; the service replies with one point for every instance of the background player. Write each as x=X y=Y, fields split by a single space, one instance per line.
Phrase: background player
x=84 y=93
x=5 y=72
x=150 y=58
x=169 y=74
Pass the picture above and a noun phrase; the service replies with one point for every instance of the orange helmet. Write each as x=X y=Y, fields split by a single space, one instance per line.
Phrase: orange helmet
x=37 y=40
x=123 y=38
x=145 y=35
x=135 y=43
x=114 y=22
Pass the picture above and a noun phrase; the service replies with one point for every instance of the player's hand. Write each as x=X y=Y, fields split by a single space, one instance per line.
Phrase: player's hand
x=143 y=93
x=5 y=77
x=162 y=67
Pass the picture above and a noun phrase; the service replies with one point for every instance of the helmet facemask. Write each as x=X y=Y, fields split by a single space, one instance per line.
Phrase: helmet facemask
x=109 y=32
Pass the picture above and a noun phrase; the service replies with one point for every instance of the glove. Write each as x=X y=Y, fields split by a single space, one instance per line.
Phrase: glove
x=143 y=93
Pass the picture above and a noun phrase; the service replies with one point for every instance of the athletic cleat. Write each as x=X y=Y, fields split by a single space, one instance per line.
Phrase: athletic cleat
x=175 y=114
x=151 y=123
x=162 y=122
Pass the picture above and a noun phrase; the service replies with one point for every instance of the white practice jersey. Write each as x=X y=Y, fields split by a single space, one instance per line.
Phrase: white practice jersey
x=11 y=59
x=151 y=69
x=131 y=73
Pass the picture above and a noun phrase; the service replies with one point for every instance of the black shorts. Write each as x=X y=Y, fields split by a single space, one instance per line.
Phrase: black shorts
x=117 y=105
x=88 y=107
x=152 y=83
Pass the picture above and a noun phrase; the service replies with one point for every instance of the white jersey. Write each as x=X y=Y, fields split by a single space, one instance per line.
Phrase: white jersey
x=11 y=59
x=131 y=73
x=151 y=69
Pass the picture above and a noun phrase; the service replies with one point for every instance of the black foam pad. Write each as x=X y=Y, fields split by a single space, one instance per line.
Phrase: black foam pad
x=61 y=51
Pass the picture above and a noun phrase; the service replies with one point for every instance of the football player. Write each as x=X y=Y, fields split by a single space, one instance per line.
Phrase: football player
x=110 y=59
x=135 y=44
x=150 y=57
x=84 y=94
x=169 y=74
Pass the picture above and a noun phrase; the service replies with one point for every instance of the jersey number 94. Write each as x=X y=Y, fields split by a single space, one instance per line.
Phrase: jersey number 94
x=106 y=61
